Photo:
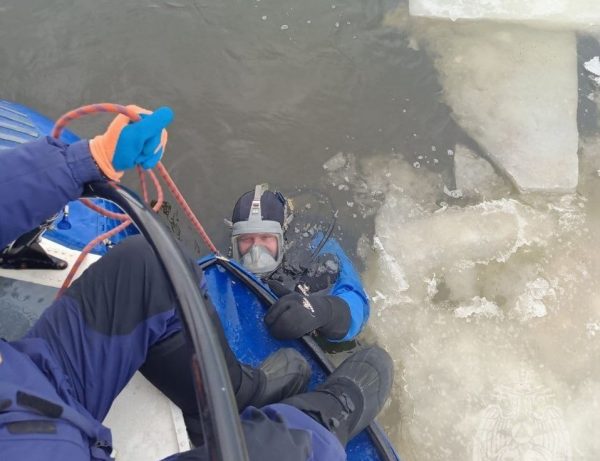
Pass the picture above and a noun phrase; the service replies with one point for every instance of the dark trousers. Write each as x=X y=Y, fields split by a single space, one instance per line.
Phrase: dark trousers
x=111 y=321
x=120 y=316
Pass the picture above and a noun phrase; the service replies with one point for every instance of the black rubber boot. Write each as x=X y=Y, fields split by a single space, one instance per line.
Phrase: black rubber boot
x=283 y=374
x=352 y=395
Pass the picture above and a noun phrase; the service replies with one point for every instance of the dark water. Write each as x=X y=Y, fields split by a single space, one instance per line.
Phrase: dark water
x=254 y=101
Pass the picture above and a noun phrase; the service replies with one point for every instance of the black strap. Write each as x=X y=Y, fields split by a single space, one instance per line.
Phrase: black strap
x=5 y=403
x=43 y=406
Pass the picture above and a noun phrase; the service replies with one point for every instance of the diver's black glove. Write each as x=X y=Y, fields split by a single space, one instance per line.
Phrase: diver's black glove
x=295 y=315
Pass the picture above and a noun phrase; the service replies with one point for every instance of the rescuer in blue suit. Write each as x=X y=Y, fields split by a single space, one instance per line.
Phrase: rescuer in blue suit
x=58 y=382
x=324 y=295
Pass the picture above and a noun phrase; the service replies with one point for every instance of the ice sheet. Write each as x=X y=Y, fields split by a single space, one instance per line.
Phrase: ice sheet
x=548 y=12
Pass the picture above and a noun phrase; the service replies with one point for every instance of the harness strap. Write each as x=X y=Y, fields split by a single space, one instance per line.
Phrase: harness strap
x=255 y=213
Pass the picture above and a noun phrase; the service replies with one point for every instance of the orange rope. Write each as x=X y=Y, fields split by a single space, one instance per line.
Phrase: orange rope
x=117 y=108
x=186 y=208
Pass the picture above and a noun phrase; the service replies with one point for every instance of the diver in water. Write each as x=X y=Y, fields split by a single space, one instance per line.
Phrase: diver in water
x=319 y=291
x=58 y=382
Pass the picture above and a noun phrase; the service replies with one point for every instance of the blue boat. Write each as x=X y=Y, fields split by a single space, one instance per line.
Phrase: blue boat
x=240 y=299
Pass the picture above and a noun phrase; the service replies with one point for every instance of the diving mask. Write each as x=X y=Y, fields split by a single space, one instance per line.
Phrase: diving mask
x=256 y=243
x=259 y=260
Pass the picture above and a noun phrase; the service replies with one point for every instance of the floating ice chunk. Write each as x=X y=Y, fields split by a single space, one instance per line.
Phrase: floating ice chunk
x=456 y=193
x=530 y=308
x=332 y=266
x=593 y=66
x=336 y=162
x=460 y=238
x=432 y=286
x=530 y=304
x=479 y=307
x=378 y=295
x=592 y=328
x=571 y=218
x=558 y=12
x=475 y=176
x=526 y=124
x=391 y=265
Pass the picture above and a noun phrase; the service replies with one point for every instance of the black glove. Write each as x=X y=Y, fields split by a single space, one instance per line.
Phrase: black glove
x=295 y=315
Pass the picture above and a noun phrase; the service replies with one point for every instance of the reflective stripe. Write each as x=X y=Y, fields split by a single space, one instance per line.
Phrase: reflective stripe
x=101 y=448
x=32 y=427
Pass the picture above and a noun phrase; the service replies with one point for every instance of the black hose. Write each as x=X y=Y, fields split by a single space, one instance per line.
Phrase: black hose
x=216 y=401
x=322 y=242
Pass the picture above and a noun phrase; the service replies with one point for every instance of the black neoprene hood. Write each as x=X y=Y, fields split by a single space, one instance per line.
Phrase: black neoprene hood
x=272 y=207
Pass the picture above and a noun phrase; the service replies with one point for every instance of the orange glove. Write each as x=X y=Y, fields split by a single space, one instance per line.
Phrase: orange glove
x=125 y=145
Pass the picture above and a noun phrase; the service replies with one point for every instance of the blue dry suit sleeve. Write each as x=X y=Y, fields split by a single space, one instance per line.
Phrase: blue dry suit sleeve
x=348 y=287
x=37 y=179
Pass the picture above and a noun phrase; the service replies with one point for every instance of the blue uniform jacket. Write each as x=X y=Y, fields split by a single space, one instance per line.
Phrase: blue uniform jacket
x=36 y=181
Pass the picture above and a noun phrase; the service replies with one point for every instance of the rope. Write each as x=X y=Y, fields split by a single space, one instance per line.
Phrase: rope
x=67 y=118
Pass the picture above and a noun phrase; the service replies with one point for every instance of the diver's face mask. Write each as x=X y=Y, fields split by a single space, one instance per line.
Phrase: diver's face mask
x=256 y=243
x=258 y=252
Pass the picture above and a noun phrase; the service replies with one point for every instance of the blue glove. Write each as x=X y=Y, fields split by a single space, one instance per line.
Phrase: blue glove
x=143 y=142
x=126 y=144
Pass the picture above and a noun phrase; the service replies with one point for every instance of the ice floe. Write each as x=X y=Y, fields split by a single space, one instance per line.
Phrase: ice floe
x=495 y=307
x=514 y=90
x=548 y=12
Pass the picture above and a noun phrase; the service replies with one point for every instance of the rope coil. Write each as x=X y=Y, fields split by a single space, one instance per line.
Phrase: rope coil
x=82 y=111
